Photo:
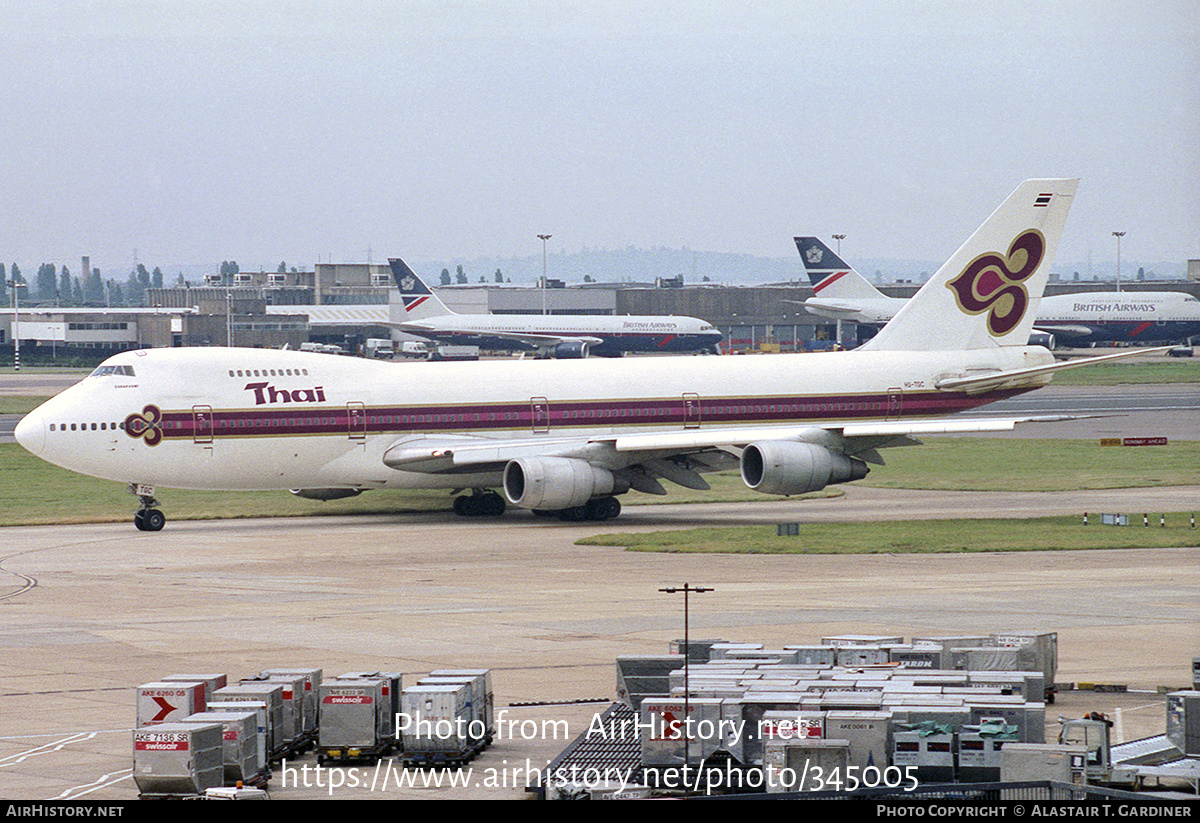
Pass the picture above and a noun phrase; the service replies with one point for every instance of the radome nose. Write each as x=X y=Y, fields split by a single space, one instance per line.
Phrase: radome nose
x=31 y=432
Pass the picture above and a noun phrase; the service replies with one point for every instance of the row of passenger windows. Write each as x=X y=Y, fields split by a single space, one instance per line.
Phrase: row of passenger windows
x=268 y=372
x=62 y=427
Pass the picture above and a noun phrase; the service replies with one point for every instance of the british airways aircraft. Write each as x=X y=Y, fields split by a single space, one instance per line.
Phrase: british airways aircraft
x=568 y=437
x=565 y=336
x=841 y=293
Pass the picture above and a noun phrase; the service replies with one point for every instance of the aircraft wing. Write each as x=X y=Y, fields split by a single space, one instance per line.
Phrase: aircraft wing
x=468 y=454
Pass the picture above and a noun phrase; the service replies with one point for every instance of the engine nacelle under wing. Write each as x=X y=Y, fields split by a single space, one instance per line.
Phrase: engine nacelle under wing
x=786 y=467
x=555 y=483
x=326 y=494
x=572 y=350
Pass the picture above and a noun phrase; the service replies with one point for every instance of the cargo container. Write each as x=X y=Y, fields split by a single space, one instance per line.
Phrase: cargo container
x=262 y=722
x=1183 y=721
x=177 y=759
x=279 y=740
x=929 y=756
x=211 y=680
x=167 y=702
x=805 y=765
x=438 y=726
x=292 y=702
x=243 y=752
x=354 y=726
x=483 y=699
x=312 y=682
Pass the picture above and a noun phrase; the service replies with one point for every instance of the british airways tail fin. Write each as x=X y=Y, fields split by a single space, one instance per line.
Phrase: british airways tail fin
x=987 y=293
x=419 y=301
x=830 y=275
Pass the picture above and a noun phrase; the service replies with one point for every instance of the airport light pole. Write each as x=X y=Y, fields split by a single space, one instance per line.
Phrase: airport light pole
x=543 y=238
x=16 y=326
x=839 y=238
x=687 y=589
x=1118 y=235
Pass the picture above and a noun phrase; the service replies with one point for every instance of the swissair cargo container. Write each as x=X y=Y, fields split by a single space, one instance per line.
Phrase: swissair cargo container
x=211 y=680
x=177 y=759
x=353 y=722
x=163 y=702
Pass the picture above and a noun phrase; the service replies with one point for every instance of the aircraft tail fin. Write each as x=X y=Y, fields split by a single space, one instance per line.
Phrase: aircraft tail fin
x=987 y=293
x=829 y=274
x=419 y=301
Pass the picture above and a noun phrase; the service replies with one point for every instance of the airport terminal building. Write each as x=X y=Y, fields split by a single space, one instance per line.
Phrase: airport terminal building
x=347 y=304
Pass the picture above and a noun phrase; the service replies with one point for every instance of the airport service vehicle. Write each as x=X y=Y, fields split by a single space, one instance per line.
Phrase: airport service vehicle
x=841 y=293
x=569 y=436
x=565 y=336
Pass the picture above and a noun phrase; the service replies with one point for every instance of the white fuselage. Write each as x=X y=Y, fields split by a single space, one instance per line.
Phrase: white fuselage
x=214 y=418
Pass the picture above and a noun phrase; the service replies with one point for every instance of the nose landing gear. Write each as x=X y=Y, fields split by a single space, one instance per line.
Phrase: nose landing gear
x=147 y=518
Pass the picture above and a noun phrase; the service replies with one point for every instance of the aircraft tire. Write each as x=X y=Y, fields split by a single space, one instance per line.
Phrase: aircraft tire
x=154 y=520
x=603 y=508
x=139 y=520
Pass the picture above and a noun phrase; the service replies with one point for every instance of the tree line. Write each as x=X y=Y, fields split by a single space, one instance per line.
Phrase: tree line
x=60 y=287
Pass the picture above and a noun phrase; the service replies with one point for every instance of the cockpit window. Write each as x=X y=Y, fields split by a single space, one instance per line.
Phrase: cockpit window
x=104 y=371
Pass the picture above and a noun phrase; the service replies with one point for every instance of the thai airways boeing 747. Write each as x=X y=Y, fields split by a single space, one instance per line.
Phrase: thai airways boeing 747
x=570 y=436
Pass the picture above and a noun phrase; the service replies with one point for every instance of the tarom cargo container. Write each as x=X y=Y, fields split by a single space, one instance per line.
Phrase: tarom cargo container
x=352 y=724
x=438 y=726
x=279 y=740
x=163 y=702
x=243 y=751
x=177 y=759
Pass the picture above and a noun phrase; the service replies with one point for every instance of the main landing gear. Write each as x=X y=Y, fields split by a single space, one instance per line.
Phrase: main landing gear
x=598 y=508
x=148 y=518
x=480 y=503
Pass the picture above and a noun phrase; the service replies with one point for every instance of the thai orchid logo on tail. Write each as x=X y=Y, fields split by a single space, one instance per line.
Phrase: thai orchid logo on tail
x=996 y=284
x=147 y=425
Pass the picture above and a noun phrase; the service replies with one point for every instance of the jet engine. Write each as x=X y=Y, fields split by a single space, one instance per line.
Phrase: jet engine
x=571 y=350
x=325 y=494
x=786 y=467
x=554 y=483
x=1041 y=338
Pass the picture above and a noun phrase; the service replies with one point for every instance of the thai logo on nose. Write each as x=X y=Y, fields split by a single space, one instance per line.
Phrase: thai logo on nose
x=147 y=425
x=996 y=284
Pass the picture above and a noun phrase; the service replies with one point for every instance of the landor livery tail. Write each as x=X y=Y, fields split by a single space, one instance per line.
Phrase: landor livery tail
x=419 y=301
x=830 y=275
x=987 y=293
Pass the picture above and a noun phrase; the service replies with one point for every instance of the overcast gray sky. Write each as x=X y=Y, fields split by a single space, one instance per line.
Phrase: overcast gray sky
x=196 y=131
